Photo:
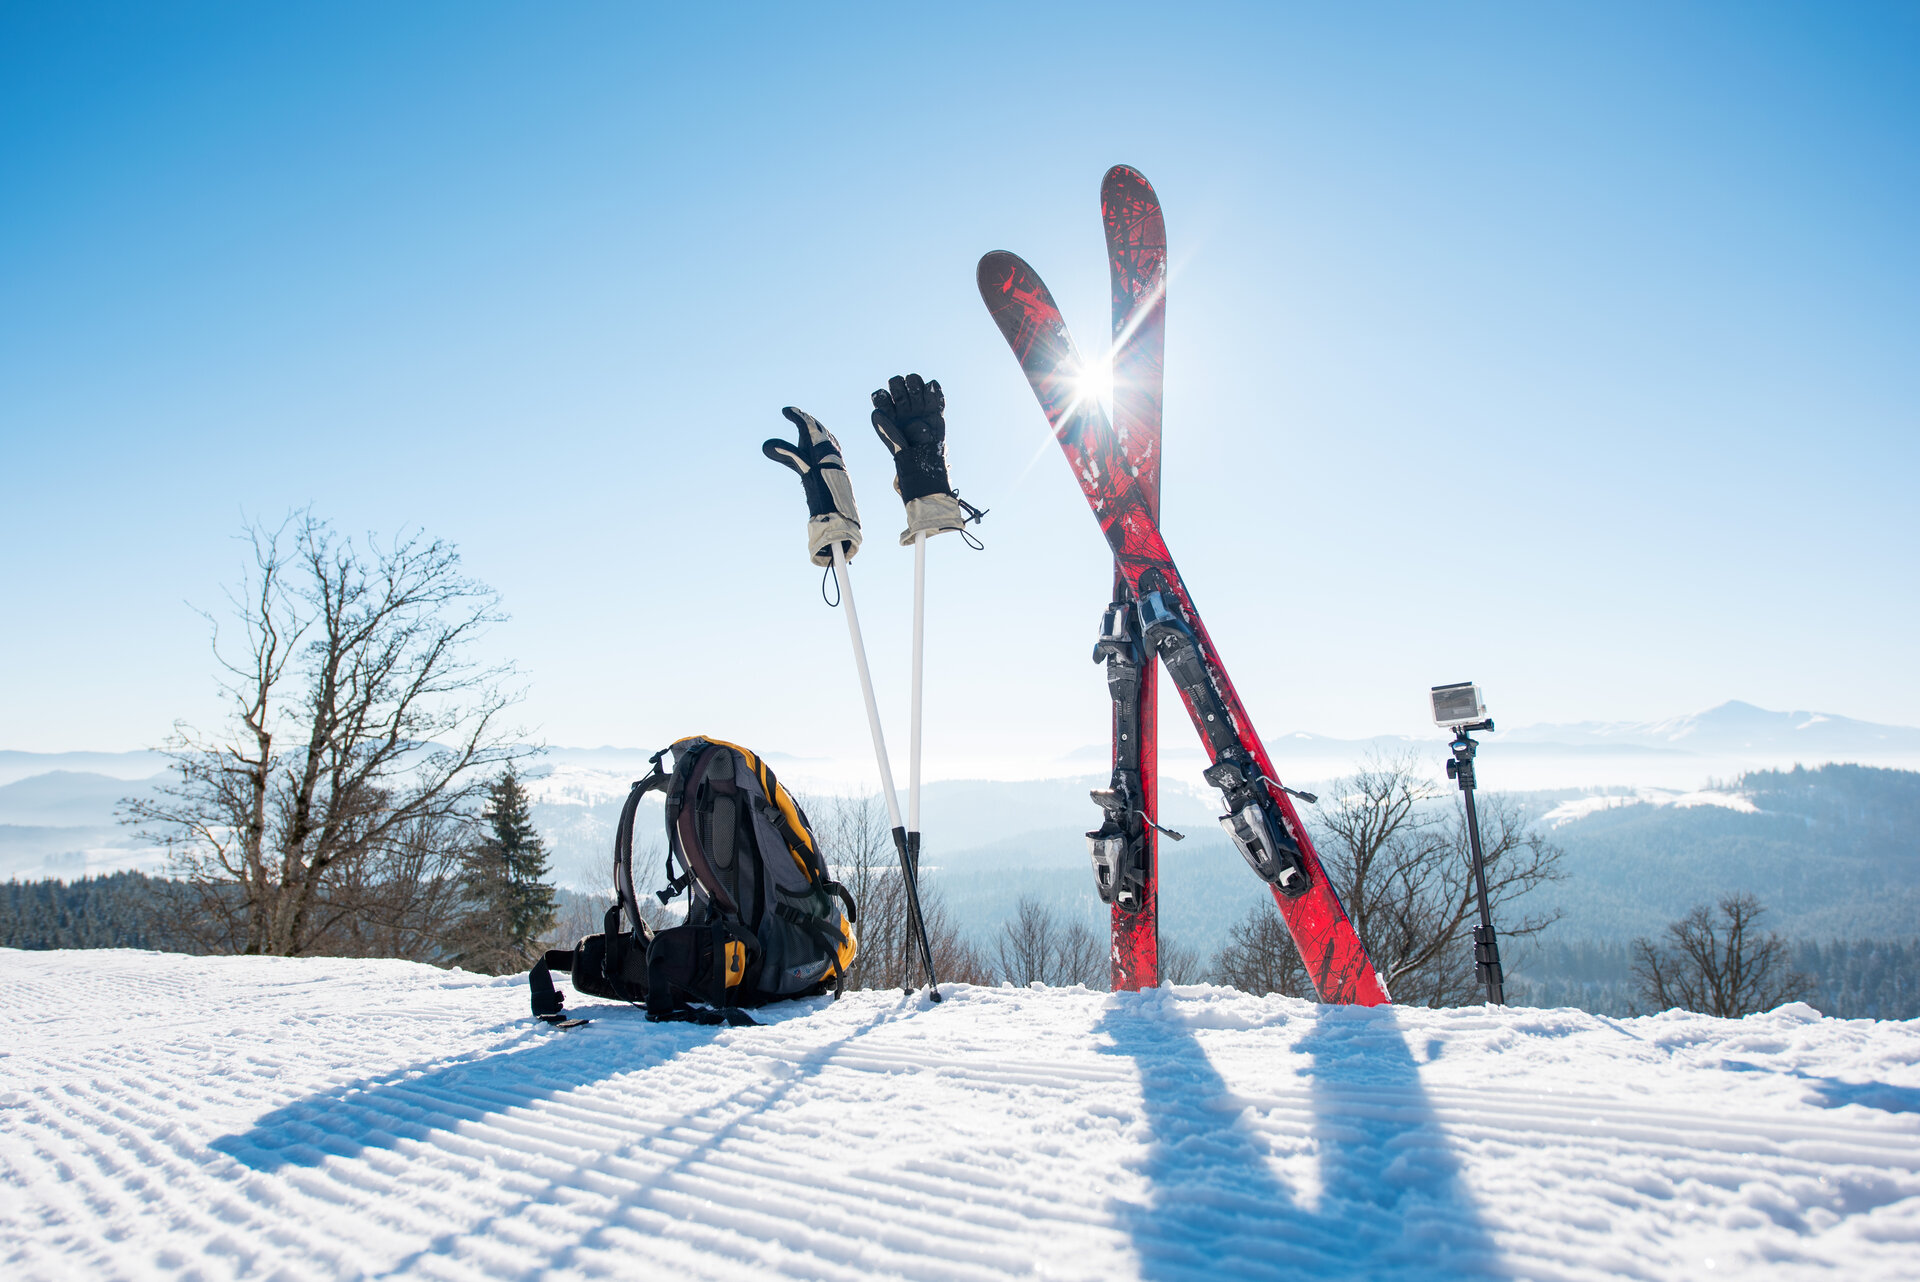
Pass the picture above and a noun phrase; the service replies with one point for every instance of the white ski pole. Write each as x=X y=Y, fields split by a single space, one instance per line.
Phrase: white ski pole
x=913 y=718
x=915 y=925
x=919 y=668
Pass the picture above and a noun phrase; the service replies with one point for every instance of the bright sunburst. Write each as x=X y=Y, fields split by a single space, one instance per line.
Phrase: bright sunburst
x=1093 y=382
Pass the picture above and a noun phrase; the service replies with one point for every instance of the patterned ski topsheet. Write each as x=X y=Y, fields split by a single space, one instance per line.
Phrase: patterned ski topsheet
x=1137 y=263
x=1137 y=266
x=1335 y=959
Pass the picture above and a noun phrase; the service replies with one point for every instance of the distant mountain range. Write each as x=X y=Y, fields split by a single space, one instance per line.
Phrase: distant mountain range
x=1734 y=728
x=57 y=810
x=15 y=766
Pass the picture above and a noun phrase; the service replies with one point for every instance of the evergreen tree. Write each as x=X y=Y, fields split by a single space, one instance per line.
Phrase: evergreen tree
x=510 y=904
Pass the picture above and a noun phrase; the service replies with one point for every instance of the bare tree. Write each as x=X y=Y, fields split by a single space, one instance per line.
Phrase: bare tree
x=1083 y=957
x=406 y=902
x=1025 y=948
x=1259 y=957
x=1034 y=947
x=1180 y=964
x=955 y=959
x=1719 y=964
x=576 y=916
x=1403 y=869
x=856 y=842
x=329 y=816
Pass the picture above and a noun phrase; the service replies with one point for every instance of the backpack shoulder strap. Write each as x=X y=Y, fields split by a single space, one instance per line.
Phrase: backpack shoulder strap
x=658 y=778
x=683 y=832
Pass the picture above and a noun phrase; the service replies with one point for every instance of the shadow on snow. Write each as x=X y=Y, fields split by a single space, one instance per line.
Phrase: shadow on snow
x=422 y=1105
x=1390 y=1201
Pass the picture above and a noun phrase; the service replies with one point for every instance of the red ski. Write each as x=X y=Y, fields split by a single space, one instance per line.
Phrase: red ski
x=1260 y=816
x=1137 y=265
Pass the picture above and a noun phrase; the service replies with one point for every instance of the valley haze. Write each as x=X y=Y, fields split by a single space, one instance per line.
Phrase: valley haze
x=57 y=809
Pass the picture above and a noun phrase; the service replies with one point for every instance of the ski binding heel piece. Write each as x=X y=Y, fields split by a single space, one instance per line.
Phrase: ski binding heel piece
x=1155 y=613
x=1274 y=859
x=1111 y=869
x=1262 y=836
x=1118 y=854
x=1115 y=641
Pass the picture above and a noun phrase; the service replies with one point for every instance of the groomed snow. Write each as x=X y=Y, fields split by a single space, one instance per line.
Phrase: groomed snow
x=163 y=1116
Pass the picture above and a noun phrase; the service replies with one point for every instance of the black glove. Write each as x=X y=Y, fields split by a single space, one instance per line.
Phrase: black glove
x=831 y=514
x=909 y=415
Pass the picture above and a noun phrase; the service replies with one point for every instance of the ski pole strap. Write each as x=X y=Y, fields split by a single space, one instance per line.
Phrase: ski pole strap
x=974 y=515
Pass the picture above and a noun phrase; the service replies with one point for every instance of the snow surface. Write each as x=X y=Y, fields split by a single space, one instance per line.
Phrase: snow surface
x=164 y=1116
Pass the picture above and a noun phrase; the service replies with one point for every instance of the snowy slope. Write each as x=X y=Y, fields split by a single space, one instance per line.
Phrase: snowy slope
x=171 y=1117
x=1578 y=808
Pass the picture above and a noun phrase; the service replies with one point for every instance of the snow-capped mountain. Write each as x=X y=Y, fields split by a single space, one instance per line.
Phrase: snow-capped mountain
x=1734 y=728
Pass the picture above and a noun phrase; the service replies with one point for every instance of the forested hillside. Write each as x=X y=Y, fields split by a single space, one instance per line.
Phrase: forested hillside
x=120 y=910
x=1831 y=851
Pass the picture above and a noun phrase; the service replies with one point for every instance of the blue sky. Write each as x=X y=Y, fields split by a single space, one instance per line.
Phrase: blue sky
x=1567 y=349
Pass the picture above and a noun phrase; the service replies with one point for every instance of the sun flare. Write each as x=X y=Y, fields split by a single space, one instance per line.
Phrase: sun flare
x=1092 y=383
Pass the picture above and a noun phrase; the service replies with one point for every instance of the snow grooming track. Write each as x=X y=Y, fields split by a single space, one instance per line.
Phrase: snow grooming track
x=165 y=1117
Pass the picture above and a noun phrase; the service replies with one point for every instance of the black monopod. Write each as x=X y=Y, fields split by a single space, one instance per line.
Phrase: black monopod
x=1461 y=708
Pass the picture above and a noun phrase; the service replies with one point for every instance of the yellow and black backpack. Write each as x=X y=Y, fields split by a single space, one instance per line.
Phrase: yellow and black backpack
x=764 y=920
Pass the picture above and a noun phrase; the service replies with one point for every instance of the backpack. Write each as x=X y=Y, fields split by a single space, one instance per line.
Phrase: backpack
x=764 y=920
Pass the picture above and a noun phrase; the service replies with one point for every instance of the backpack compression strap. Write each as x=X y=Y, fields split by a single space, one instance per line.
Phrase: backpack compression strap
x=614 y=962
x=830 y=942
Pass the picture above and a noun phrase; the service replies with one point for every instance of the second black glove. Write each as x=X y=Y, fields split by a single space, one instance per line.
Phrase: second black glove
x=909 y=413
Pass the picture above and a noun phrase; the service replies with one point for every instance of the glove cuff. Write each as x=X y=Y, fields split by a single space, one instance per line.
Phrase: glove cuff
x=825 y=531
x=934 y=514
x=922 y=472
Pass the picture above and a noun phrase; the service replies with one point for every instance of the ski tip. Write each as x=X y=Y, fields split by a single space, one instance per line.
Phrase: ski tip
x=1124 y=176
x=1004 y=277
x=997 y=267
